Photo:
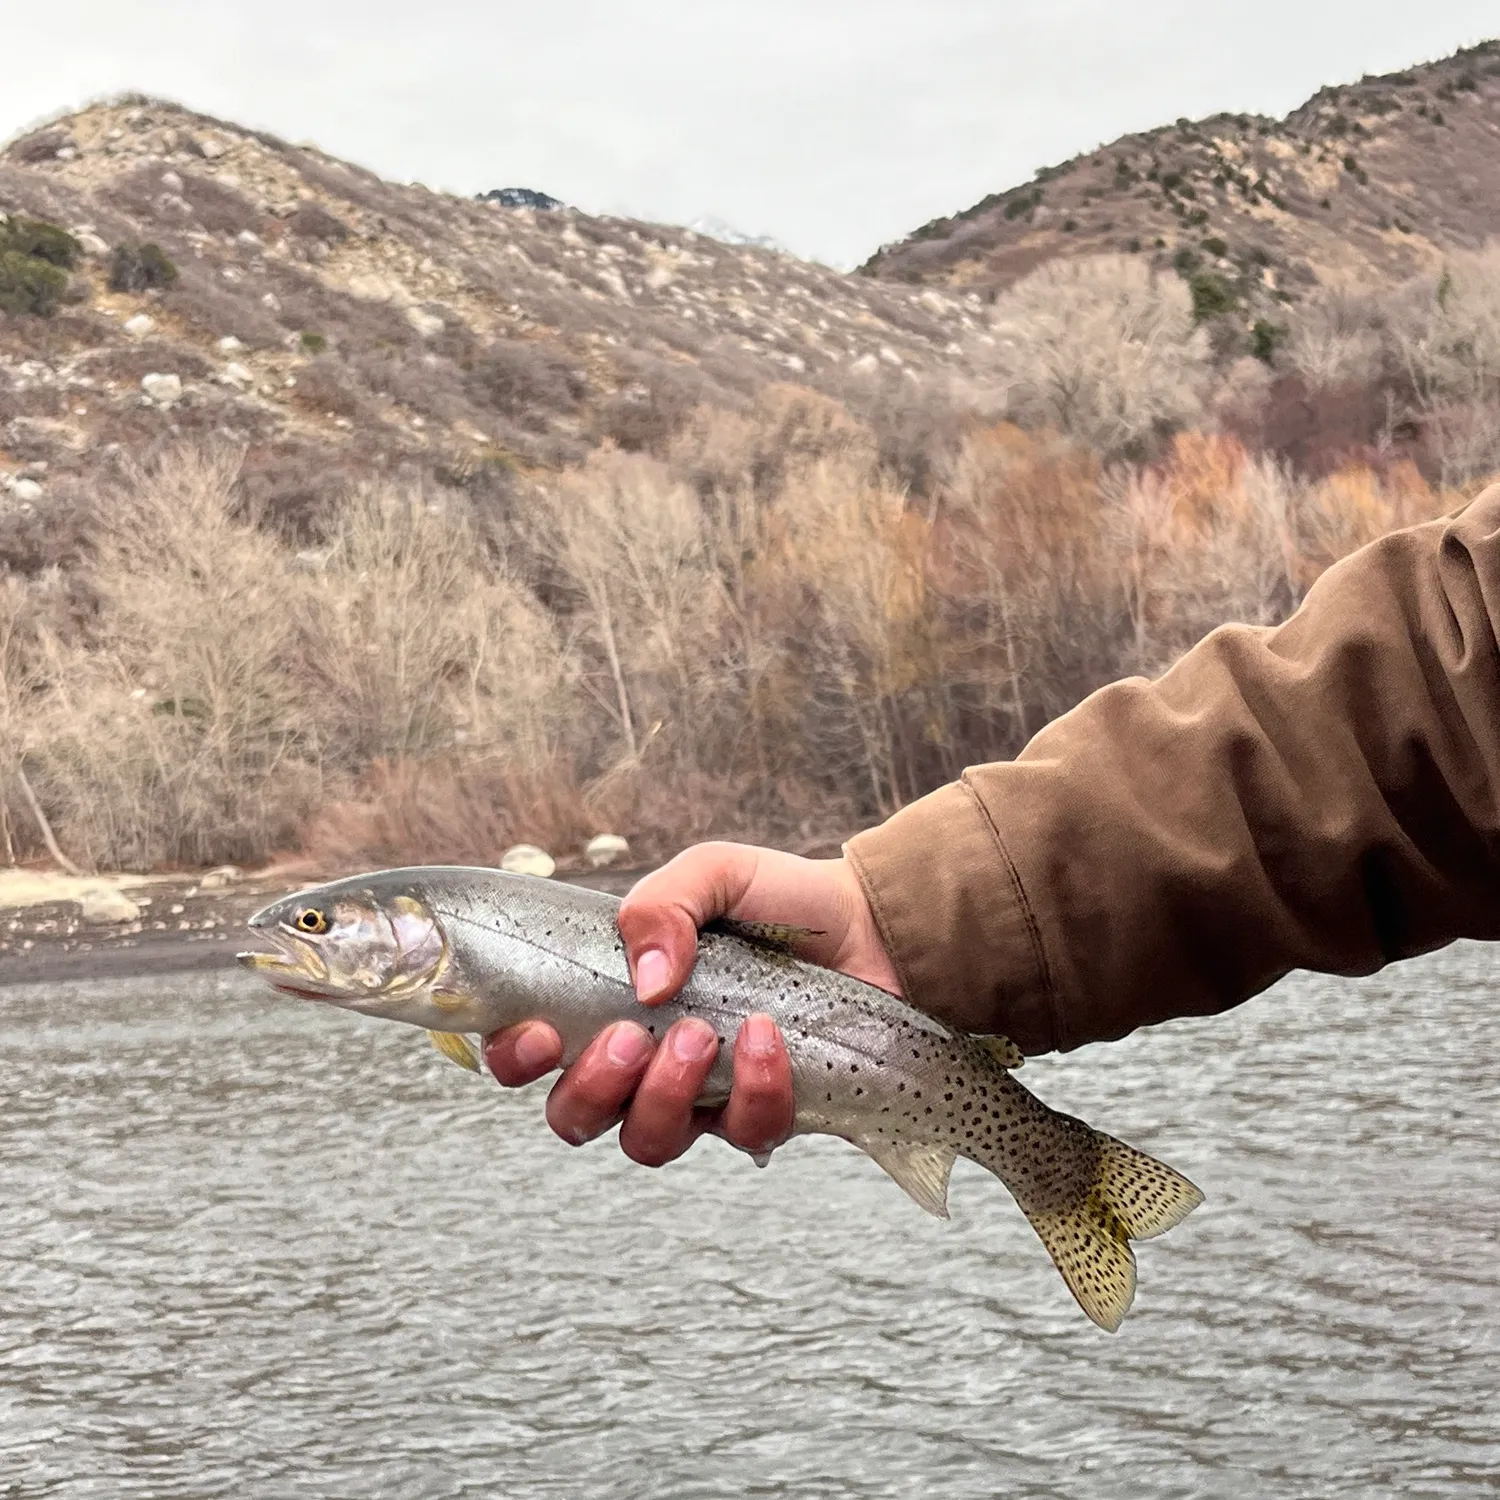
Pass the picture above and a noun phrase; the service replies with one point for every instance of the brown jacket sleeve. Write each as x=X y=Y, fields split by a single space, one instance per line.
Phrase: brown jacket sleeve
x=1323 y=795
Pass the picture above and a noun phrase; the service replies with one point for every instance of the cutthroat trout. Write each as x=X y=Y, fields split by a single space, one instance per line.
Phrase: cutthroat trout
x=464 y=952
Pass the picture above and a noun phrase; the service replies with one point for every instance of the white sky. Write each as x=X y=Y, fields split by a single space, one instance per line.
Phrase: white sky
x=832 y=125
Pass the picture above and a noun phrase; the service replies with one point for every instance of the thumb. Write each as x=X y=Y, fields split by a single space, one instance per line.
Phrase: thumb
x=660 y=918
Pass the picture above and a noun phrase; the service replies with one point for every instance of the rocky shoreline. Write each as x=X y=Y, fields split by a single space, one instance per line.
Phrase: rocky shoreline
x=182 y=924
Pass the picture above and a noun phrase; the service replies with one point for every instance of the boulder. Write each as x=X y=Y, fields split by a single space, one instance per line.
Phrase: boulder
x=527 y=859
x=107 y=907
x=162 y=390
x=171 y=182
x=429 y=325
x=26 y=490
x=237 y=375
x=606 y=849
x=229 y=344
x=141 y=326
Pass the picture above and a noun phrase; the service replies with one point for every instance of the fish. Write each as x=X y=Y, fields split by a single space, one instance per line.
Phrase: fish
x=465 y=952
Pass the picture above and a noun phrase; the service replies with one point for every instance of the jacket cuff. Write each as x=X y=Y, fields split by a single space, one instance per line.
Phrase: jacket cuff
x=955 y=919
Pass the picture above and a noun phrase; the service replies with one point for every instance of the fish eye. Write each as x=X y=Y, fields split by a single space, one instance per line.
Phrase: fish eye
x=310 y=919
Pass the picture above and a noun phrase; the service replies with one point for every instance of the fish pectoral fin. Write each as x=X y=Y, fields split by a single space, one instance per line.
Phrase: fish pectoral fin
x=921 y=1170
x=1003 y=1050
x=776 y=936
x=456 y=1048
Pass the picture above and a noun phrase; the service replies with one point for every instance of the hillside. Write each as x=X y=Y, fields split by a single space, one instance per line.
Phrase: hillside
x=1367 y=182
x=338 y=324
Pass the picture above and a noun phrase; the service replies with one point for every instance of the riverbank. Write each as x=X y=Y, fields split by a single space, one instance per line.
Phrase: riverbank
x=56 y=927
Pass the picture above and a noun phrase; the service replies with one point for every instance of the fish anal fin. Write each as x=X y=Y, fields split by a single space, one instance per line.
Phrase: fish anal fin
x=776 y=936
x=921 y=1170
x=1003 y=1050
x=456 y=1048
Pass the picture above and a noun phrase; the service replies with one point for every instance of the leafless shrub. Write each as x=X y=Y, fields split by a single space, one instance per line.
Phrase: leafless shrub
x=311 y=221
x=1103 y=349
x=219 y=209
x=1337 y=339
x=526 y=381
x=326 y=385
x=1446 y=332
x=206 y=303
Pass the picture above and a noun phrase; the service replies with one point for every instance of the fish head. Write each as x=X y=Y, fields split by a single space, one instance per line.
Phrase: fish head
x=350 y=947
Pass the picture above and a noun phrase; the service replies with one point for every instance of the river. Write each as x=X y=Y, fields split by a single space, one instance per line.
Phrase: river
x=252 y=1249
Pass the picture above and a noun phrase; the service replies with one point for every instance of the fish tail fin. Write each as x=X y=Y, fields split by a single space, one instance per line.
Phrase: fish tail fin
x=1131 y=1196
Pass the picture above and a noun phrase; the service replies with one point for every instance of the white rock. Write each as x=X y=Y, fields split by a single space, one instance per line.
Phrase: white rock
x=271 y=301
x=90 y=243
x=171 y=181
x=237 y=375
x=527 y=859
x=211 y=146
x=606 y=849
x=26 y=490
x=216 y=880
x=229 y=344
x=67 y=153
x=247 y=239
x=107 y=907
x=229 y=180
x=866 y=364
x=163 y=390
x=429 y=325
x=141 y=326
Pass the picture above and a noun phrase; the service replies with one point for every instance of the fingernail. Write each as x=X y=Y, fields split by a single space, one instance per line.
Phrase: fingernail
x=760 y=1036
x=627 y=1045
x=692 y=1041
x=653 y=973
x=533 y=1049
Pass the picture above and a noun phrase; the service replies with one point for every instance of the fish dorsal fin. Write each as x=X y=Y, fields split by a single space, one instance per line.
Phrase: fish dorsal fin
x=1003 y=1050
x=921 y=1170
x=456 y=1048
x=776 y=936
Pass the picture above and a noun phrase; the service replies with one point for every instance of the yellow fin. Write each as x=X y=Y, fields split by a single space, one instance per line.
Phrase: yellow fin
x=1133 y=1197
x=1003 y=1050
x=921 y=1170
x=456 y=1048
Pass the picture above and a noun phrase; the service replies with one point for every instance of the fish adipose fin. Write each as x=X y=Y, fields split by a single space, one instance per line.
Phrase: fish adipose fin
x=1133 y=1197
x=1003 y=1050
x=921 y=1170
x=456 y=1048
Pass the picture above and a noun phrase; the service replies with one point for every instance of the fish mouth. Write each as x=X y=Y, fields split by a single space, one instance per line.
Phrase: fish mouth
x=290 y=969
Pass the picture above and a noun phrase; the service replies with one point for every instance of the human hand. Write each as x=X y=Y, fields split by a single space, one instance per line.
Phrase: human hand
x=623 y=1076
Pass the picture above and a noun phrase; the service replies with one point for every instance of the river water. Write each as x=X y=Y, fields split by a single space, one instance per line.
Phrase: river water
x=251 y=1249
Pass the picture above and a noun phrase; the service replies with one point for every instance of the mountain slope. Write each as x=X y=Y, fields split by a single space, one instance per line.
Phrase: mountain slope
x=1370 y=181
x=338 y=324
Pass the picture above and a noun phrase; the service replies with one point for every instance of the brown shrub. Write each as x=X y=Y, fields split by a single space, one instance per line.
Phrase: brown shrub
x=527 y=382
x=327 y=386
x=449 y=811
x=311 y=221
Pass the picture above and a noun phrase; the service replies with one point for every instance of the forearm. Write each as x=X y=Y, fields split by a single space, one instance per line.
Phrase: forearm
x=1322 y=795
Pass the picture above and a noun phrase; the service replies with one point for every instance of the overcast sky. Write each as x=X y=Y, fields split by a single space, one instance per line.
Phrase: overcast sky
x=832 y=125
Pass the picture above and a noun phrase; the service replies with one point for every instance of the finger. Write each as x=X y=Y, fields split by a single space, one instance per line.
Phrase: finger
x=660 y=1124
x=660 y=918
x=521 y=1054
x=587 y=1100
x=761 y=1107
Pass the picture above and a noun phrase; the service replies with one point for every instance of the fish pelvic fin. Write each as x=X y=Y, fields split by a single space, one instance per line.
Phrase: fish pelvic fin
x=921 y=1170
x=1132 y=1197
x=456 y=1048
x=1002 y=1050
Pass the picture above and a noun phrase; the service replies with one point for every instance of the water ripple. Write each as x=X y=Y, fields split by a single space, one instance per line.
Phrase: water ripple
x=250 y=1251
